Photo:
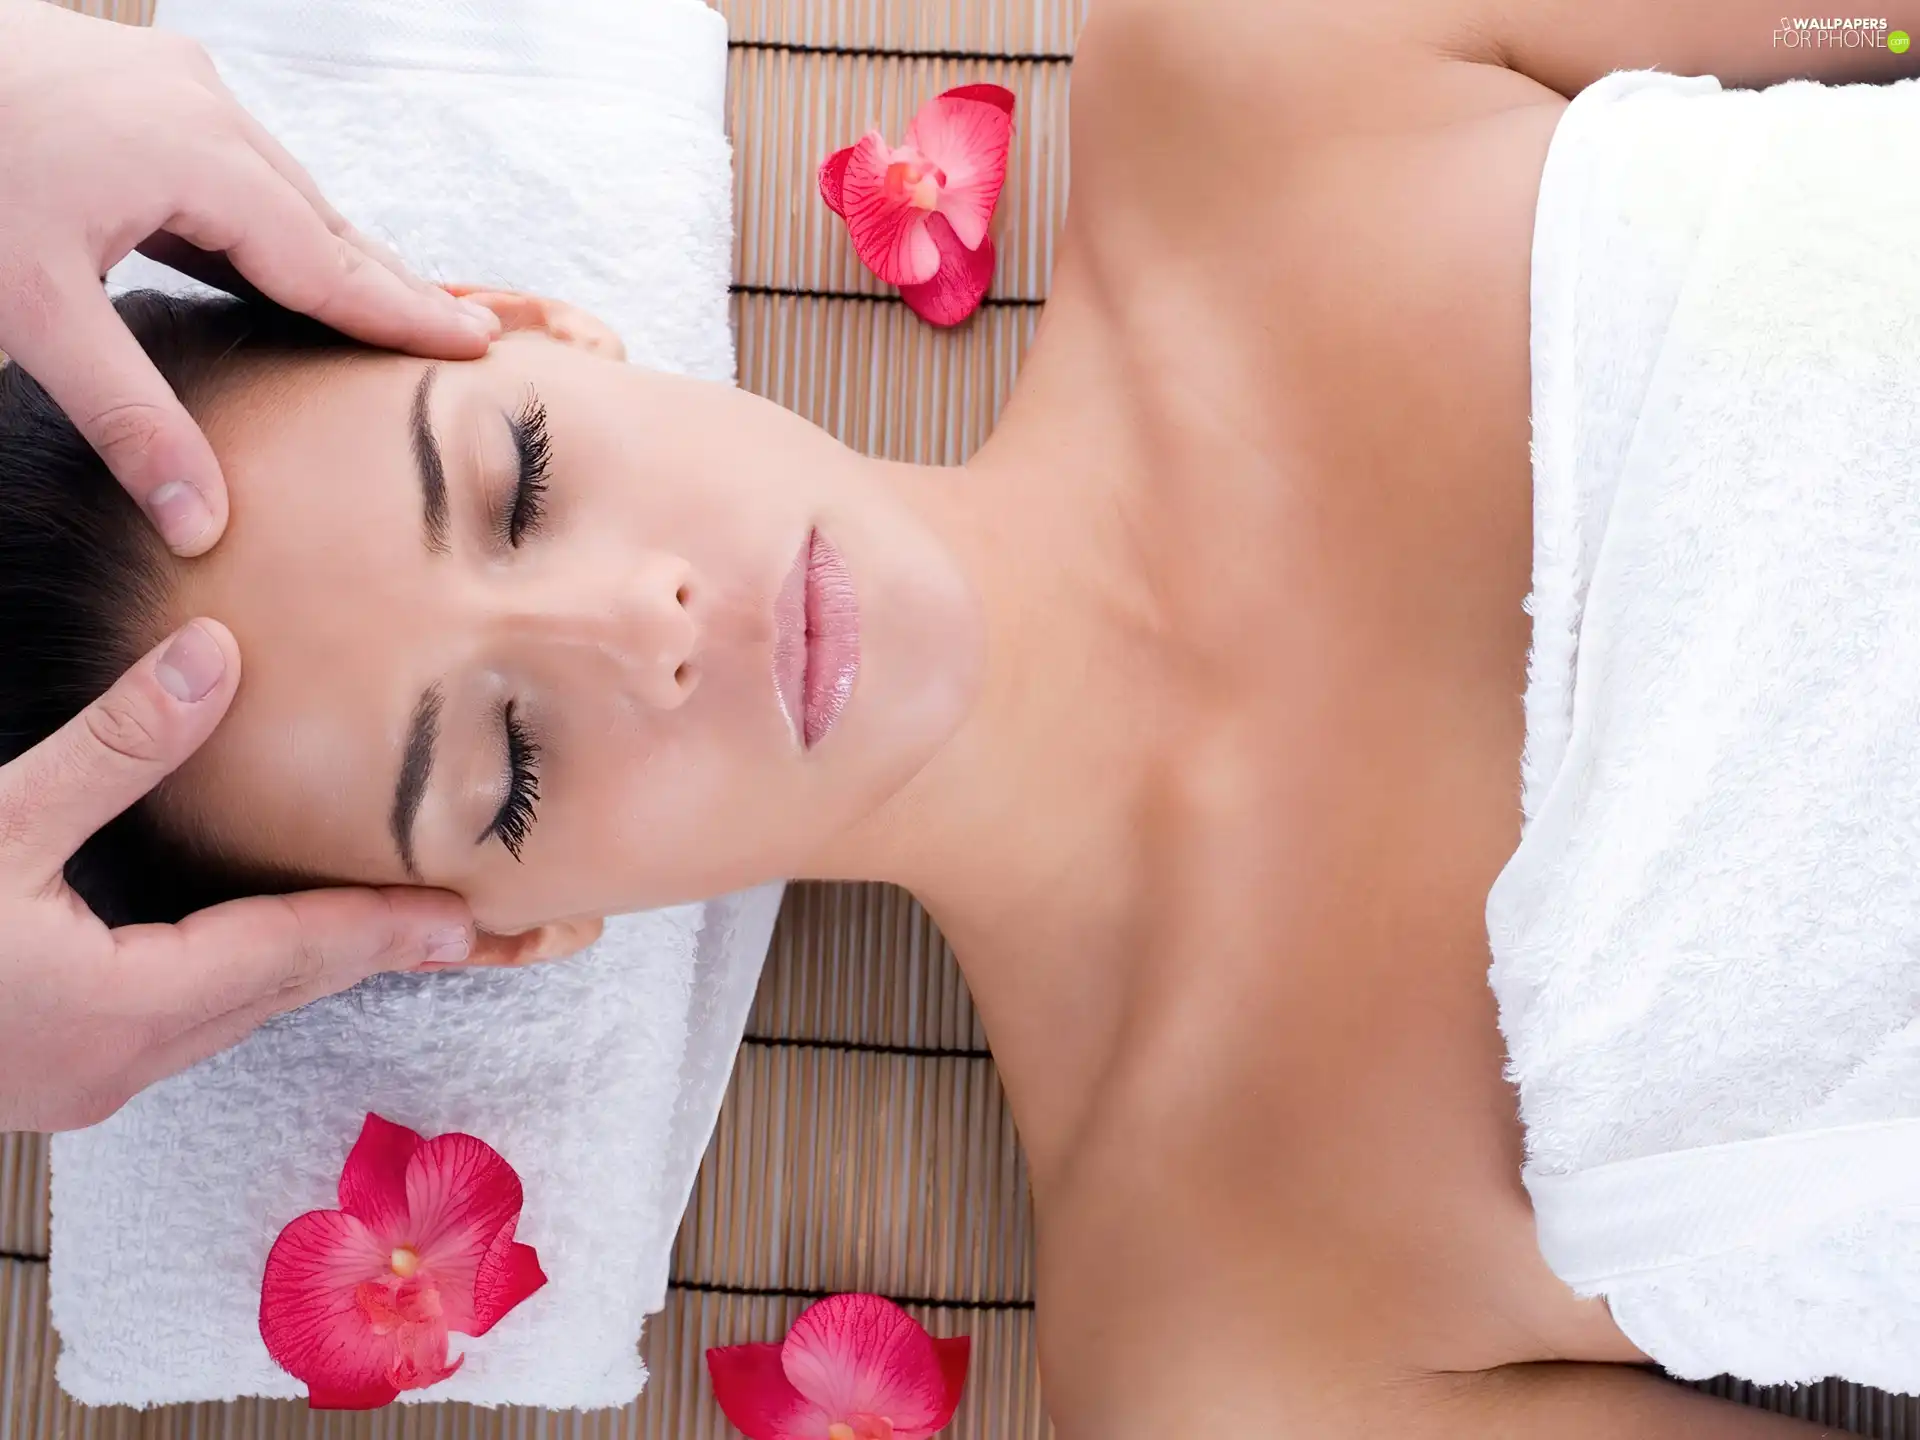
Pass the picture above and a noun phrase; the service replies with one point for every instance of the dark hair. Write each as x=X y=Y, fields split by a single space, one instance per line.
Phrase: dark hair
x=85 y=580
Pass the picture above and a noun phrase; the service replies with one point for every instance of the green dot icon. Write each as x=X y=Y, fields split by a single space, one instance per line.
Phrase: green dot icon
x=1897 y=41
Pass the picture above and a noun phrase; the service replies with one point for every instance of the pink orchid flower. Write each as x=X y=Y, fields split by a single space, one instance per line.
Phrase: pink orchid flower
x=854 y=1367
x=358 y=1301
x=919 y=213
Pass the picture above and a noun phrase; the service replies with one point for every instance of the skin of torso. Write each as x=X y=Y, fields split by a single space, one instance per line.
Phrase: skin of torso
x=1276 y=1165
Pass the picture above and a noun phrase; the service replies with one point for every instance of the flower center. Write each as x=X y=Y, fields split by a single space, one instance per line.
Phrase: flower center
x=390 y=1305
x=917 y=181
x=409 y=1317
x=862 y=1427
x=404 y=1261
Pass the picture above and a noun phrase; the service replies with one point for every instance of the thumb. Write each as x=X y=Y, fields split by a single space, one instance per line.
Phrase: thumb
x=116 y=750
x=87 y=360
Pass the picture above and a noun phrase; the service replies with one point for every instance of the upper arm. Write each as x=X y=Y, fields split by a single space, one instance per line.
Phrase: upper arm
x=1593 y=1402
x=1566 y=45
x=1344 y=67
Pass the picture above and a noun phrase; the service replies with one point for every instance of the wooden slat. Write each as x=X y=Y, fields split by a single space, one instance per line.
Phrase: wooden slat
x=23 y=1194
x=863 y=964
x=789 y=239
x=998 y=27
x=834 y=1171
x=127 y=12
x=871 y=374
x=1853 y=1408
x=26 y=1353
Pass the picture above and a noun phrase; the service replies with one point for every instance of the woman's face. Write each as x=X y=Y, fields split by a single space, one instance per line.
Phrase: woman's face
x=529 y=603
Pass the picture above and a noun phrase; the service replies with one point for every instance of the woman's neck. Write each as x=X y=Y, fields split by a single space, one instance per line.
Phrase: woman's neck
x=1021 y=835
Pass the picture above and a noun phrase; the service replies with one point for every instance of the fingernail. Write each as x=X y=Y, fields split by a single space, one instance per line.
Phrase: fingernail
x=480 y=318
x=191 y=666
x=447 y=947
x=180 y=513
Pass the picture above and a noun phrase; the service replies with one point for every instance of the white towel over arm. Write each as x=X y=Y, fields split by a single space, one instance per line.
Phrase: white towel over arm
x=574 y=148
x=1706 y=949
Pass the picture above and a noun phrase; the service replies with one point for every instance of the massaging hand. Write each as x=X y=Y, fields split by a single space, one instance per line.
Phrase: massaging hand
x=111 y=139
x=88 y=1015
x=115 y=138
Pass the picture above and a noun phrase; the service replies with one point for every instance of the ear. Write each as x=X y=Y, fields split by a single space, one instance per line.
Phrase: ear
x=555 y=319
x=529 y=947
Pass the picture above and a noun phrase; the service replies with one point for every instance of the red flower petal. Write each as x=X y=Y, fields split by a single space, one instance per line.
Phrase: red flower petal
x=857 y=1355
x=991 y=94
x=833 y=179
x=968 y=139
x=358 y=1302
x=509 y=1274
x=460 y=1196
x=409 y=1318
x=757 y=1397
x=415 y=1369
x=954 y=1355
x=321 y=1396
x=373 y=1183
x=959 y=285
x=889 y=231
x=310 y=1316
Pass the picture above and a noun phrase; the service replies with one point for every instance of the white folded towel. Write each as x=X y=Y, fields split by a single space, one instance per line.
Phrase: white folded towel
x=574 y=148
x=1706 y=949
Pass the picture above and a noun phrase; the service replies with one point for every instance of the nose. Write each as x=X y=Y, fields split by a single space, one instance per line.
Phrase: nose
x=639 y=624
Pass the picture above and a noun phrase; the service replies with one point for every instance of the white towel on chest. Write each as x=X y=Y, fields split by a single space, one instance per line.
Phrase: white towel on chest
x=1706 y=949
x=574 y=148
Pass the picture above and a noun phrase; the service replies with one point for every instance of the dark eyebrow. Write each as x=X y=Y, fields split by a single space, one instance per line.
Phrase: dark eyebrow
x=416 y=765
x=426 y=457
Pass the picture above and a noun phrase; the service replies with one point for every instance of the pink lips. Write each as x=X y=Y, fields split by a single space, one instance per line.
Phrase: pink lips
x=816 y=647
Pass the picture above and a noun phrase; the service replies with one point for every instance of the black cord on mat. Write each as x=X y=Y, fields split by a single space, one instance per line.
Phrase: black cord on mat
x=931 y=1302
x=864 y=1047
x=802 y=293
x=881 y=52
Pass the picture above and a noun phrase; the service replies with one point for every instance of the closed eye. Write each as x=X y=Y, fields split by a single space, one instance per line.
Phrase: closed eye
x=516 y=814
x=534 y=447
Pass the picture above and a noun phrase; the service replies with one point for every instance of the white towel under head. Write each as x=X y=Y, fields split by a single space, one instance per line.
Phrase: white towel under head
x=574 y=148
x=1706 y=949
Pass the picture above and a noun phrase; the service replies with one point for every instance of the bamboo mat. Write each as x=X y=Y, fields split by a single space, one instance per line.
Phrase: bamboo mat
x=864 y=1143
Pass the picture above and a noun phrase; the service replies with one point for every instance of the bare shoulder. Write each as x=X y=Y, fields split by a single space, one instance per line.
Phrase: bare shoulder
x=1332 y=66
x=1201 y=124
x=1270 y=72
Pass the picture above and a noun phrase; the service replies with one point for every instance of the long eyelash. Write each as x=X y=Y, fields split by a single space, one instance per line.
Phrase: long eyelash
x=523 y=785
x=530 y=438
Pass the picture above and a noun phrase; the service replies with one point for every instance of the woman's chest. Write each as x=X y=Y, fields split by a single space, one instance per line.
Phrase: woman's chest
x=1330 y=385
x=1329 y=402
